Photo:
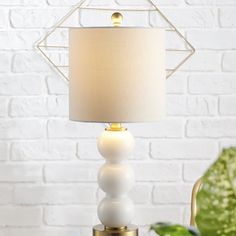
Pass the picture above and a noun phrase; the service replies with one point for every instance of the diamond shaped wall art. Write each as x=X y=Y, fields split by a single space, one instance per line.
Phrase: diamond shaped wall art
x=140 y=13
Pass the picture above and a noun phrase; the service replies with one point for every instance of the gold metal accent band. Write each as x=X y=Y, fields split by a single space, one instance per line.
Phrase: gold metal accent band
x=110 y=228
x=101 y=230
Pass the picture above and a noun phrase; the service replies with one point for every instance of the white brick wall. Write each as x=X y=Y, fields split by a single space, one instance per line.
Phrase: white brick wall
x=48 y=165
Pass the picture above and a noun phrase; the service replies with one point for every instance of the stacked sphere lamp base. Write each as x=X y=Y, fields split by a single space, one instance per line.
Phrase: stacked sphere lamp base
x=116 y=178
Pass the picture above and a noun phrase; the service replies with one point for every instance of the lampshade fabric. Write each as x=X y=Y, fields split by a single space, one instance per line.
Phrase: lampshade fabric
x=117 y=74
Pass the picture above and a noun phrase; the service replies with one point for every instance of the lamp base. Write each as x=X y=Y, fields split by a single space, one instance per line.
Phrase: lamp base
x=101 y=230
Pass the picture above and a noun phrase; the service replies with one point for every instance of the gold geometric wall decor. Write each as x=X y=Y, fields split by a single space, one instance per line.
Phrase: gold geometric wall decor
x=55 y=45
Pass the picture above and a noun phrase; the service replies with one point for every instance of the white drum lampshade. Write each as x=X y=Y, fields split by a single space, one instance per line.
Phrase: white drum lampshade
x=117 y=75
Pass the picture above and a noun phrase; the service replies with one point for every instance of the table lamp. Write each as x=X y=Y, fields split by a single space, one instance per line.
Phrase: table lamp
x=116 y=75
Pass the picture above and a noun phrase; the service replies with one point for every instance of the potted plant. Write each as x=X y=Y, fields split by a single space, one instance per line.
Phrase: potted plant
x=216 y=202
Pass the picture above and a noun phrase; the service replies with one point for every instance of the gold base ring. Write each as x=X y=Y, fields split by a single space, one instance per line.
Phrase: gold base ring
x=101 y=230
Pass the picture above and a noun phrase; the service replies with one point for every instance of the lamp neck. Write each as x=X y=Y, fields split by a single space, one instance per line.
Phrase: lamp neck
x=115 y=127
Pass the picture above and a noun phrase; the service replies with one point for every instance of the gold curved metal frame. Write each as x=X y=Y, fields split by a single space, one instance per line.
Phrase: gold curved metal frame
x=195 y=191
x=43 y=44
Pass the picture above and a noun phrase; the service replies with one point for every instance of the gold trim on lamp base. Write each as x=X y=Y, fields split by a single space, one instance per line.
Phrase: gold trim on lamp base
x=101 y=230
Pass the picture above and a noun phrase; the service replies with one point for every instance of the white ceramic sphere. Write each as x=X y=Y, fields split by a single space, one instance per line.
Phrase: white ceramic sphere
x=116 y=212
x=116 y=179
x=115 y=146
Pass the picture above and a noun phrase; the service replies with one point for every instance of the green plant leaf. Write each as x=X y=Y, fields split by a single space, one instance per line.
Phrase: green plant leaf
x=216 y=200
x=164 y=229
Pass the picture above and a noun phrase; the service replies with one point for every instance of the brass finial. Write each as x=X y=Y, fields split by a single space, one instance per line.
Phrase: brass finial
x=116 y=19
